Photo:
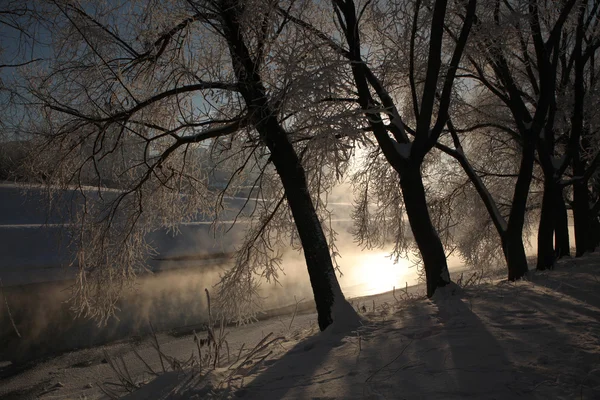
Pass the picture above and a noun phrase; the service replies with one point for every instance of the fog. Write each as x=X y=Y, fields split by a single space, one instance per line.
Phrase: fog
x=174 y=296
x=37 y=290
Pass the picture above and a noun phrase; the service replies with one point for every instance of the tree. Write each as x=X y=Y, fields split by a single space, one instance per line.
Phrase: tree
x=494 y=68
x=582 y=152
x=376 y=102
x=15 y=52
x=543 y=69
x=134 y=90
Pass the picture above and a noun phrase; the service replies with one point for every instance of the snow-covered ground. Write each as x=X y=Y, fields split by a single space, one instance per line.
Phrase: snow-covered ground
x=535 y=339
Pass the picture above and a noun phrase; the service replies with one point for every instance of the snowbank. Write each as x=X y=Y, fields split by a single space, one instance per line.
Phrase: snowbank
x=536 y=339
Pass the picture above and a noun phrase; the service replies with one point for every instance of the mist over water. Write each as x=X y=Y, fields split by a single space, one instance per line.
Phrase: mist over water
x=174 y=296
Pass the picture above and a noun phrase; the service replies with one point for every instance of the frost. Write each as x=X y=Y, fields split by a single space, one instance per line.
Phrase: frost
x=446 y=292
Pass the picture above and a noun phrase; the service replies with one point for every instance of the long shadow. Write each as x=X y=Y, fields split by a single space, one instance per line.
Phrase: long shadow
x=501 y=342
x=476 y=364
x=485 y=346
x=587 y=277
x=540 y=332
x=412 y=363
x=296 y=369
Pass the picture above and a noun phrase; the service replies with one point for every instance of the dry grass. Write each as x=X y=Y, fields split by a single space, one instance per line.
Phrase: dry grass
x=211 y=351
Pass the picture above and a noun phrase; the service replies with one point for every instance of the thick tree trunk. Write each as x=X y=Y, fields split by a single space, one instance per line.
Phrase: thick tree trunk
x=562 y=246
x=581 y=218
x=514 y=254
x=326 y=289
x=325 y=286
x=545 y=239
x=426 y=237
x=581 y=206
x=579 y=133
x=512 y=240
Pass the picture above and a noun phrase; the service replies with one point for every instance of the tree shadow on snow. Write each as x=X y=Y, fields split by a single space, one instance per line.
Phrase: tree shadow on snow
x=446 y=352
x=298 y=368
x=583 y=281
x=502 y=341
x=550 y=338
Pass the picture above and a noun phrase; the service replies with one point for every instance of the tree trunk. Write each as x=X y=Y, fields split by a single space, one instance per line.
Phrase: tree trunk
x=325 y=286
x=512 y=240
x=326 y=289
x=514 y=254
x=545 y=239
x=594 y=226
x=581 y=218
x=426 y=237
x=581 y=206
x=594 y=241
x=562 y=246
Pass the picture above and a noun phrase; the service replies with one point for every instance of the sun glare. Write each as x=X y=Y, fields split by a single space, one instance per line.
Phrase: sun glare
x=372 y=273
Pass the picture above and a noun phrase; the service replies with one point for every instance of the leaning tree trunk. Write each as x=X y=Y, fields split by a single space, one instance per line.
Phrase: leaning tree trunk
x=545 y=239
x=562 y=246
x=426 y=237
x=326 y=289
x=325 y=286
x=512 y=239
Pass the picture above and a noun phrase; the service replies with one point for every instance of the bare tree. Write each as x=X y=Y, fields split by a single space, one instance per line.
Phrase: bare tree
x=382 y=117
x=17 y=51
x=577 y=68
x=537 y=75
x=136 y=90
x=493 y=66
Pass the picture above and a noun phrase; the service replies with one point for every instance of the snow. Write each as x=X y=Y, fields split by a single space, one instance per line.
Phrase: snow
x=536 y=339
x=452 y=290
x=345 y=317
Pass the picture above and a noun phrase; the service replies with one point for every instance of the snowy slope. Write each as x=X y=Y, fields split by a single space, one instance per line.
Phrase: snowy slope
x=536 y=339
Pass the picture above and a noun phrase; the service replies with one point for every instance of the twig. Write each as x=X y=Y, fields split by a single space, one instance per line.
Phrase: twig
x=197 y=340
x=107 y=392
x=129 y=378
x=294 y=314
x=388 y=364
x=12 y=321
x=157 y=347
x=209 y=310
x=143 y=361
x=239 y=355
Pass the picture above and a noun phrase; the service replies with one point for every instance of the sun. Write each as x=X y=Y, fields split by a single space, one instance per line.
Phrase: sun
x=375 y=272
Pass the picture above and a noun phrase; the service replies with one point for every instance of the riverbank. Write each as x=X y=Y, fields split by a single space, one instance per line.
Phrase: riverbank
x=532 y=339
